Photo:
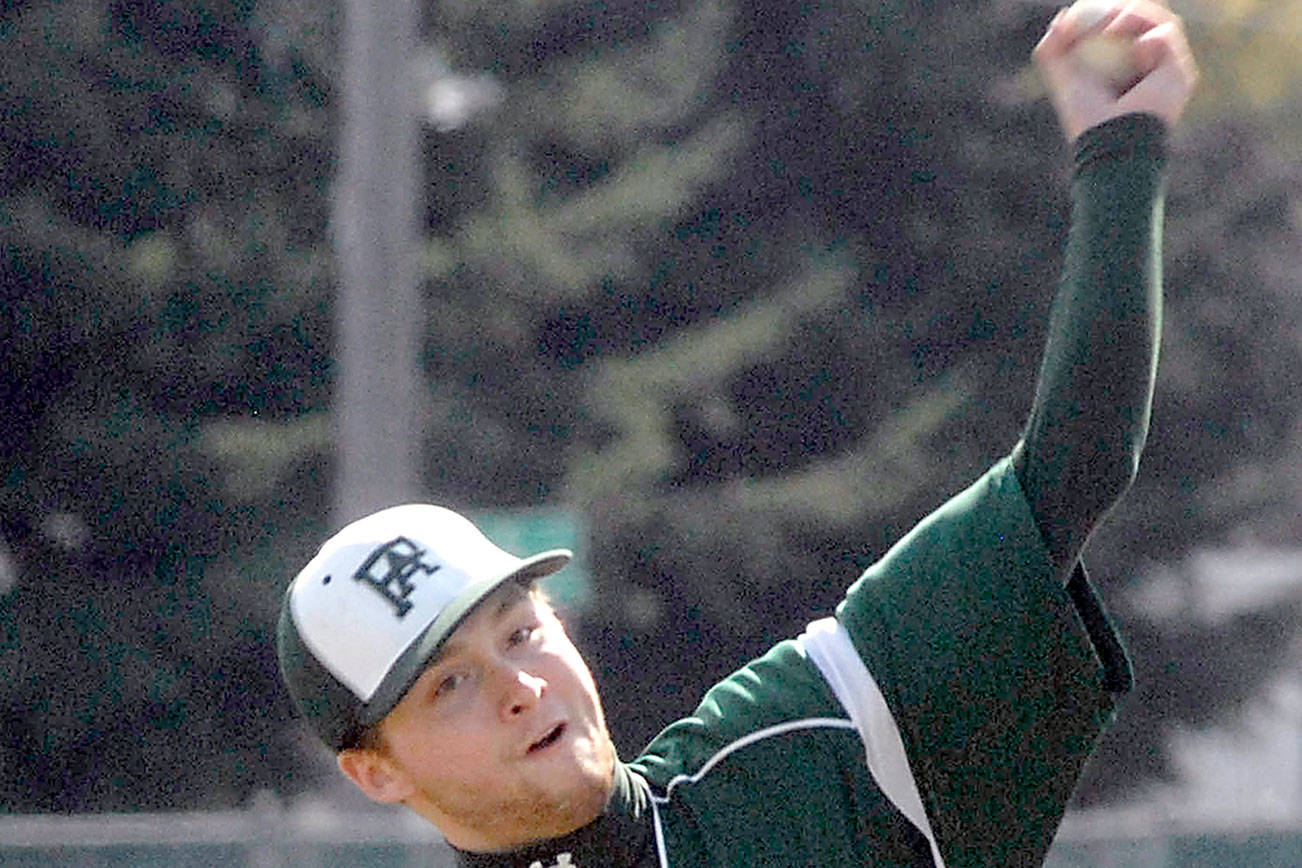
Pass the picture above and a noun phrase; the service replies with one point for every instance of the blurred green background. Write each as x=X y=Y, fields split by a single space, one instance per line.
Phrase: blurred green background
x=742 y=288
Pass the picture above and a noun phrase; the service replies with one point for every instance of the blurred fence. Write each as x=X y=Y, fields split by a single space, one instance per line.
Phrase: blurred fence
x=262 y=837
x=267 y=837
x=1267 y=849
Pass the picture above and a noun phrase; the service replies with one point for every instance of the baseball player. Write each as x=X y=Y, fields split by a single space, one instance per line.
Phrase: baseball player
x=941 y=717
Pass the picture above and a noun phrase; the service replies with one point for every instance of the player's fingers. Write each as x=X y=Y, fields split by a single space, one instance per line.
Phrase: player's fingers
x=1165 y=47
x=1139 y=17
x=1172 y=74
x=1054 y=43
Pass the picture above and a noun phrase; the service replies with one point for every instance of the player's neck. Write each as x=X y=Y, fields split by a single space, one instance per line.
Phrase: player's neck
x=623 y=836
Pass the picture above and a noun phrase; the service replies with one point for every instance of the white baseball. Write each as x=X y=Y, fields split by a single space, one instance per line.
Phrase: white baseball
x=1088 y=13
x=1111 y=58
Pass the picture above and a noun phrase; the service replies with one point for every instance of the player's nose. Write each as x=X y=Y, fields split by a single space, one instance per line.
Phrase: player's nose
x=521 y=691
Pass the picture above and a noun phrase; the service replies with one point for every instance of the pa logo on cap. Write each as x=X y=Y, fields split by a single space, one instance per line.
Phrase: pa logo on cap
x=389 y=570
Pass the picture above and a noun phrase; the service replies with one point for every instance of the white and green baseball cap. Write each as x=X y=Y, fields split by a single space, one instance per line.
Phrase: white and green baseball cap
x=360 y=621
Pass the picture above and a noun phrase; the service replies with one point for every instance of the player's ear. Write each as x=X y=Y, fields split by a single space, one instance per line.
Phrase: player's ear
x=374 y=774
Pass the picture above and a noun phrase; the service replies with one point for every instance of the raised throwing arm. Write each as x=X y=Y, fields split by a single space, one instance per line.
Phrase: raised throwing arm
x=1090 y=416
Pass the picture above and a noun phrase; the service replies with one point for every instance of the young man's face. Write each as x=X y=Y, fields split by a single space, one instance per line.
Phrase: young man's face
x=501 y=740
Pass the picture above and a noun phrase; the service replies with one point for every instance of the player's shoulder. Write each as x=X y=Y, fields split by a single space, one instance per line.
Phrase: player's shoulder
x=777 y=703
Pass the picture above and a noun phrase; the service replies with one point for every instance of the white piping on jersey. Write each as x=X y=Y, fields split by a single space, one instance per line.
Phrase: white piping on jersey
x=748 y=739
x=660 y=834
x=828 y=644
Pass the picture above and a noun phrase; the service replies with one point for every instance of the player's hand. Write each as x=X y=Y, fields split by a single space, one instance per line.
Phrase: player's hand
x=1163 y=72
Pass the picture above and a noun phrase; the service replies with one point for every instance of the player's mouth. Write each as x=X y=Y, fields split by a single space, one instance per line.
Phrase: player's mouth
x=549 y=738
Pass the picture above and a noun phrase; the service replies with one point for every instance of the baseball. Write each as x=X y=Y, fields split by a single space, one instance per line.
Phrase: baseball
x=1088 y=13
x=1110 y=57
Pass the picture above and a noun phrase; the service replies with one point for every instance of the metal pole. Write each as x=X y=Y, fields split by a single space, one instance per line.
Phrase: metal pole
x=377 y=318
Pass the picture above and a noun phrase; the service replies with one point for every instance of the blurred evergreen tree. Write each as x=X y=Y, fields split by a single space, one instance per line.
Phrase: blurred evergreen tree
x=165 y=280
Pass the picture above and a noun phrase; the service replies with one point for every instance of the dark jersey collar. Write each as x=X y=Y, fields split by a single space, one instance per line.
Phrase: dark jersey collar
x=622 y=837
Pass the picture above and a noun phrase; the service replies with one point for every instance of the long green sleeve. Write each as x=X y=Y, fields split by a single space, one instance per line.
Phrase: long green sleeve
x=1080 y=450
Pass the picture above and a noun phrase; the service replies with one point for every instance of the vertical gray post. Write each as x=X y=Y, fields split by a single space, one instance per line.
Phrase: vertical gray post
x=377 y=317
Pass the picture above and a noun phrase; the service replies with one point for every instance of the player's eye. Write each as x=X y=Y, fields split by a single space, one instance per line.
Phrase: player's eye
x=449 y=685
x=521 y=635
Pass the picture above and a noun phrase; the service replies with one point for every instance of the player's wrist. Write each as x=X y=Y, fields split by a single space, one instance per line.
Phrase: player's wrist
x=1128 y=138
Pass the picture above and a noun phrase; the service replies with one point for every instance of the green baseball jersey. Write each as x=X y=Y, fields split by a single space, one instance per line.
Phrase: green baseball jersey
x=942 y=718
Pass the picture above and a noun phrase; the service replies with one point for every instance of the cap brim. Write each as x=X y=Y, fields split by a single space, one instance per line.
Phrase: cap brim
x=411 y=663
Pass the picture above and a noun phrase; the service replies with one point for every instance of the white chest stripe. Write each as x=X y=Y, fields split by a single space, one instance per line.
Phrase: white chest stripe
x=829 y=646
